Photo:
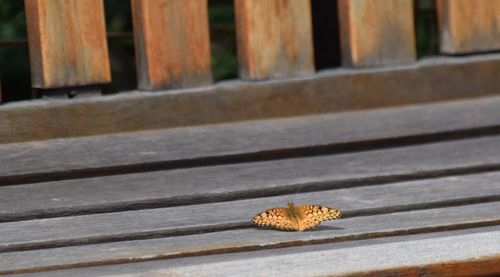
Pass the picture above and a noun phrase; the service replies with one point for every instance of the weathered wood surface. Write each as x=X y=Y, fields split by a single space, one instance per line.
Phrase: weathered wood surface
x=274 y=38
x=217 y=144
x=358 y=228
x=376 y=32
x=176 y=185
x=468 y=26
x=353 y=202
x=449 y=254
x=229 y=182
x=81 y=58
x=470 y=235
x=329 y=91
x=405 y=178
x=172 y=43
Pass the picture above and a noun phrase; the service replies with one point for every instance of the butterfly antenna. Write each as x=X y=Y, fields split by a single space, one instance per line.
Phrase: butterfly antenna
x=297 y=191
x=291 y=195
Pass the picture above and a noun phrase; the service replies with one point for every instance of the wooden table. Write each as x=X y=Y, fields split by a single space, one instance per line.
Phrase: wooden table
x=419 y=187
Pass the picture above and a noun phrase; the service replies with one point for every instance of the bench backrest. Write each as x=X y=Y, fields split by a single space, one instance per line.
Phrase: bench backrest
x=275 y=40
x=68 y=44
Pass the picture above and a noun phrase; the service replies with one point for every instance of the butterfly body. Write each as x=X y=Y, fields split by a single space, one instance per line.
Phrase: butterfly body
x=296 y=218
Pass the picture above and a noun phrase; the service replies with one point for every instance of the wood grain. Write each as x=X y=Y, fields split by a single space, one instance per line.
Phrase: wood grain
x=239 y=181
x=353 y=202
x=428 y=80
x=81 y=58
x=432 y=255
x=376 y=32
x=172 y=148
x=274 y=38
x=422 y=253
x=468 y=26
x=172 y=43
x=360 y=228
x=473 y=267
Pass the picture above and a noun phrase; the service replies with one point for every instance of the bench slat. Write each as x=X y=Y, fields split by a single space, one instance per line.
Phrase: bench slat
x=230 y=182
x=448 y=254
x=468 y=26
x=390 y=38
x=250 y=239
x=274 y=38
x=378 y=199
x=172 y=43
x=129 y=150
x=418 y=254
x=81 y=58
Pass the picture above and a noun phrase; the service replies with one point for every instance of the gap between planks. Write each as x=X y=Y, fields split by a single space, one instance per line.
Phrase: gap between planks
x=225 y=183
x=216 y=217
x=284 y=190
x=246 y=225
x=157 y=203
x=363 y=228
x=249 y=141
x=431 y=254
x=266 y=155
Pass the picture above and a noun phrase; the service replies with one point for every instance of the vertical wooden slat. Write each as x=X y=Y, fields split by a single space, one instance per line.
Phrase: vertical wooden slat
x=172 y=43
x=376 y=32
x=274 y=38
x=67 y=42
x=468 y=25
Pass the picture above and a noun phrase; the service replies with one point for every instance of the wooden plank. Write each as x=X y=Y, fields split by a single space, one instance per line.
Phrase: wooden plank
x=467 y=255
x=231 y=182
x=473 y=265
x=172 y=43
x=425 y=81
x=362 y=201
x=358 y=228
x=420 y=255
x=81 y=58
x=468 y=26
x=274 y=38
x=376 y=32
x=43 y=160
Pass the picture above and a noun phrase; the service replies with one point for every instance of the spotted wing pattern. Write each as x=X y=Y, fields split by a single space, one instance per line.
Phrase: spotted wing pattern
x=278 y=218
x=313 y=215
x=306 y=217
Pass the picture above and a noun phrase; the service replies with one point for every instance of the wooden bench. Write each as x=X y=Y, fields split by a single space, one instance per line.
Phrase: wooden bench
x=167 y=182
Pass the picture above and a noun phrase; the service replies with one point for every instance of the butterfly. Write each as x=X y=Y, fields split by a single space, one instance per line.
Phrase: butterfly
x=296 y=218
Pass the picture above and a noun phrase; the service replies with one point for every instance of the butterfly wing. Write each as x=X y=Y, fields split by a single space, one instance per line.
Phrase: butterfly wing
x=313 y=215
x=278 y=218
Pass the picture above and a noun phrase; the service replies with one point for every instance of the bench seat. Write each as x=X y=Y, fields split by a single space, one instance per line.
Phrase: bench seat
x=419 y=187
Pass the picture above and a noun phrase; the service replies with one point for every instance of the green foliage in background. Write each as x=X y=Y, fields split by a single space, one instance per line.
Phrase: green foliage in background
x=12 y=22
x=223 y=37
x=426 y=31
x=14 y=59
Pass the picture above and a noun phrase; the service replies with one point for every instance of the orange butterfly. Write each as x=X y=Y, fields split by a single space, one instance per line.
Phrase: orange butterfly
x=296 y=218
